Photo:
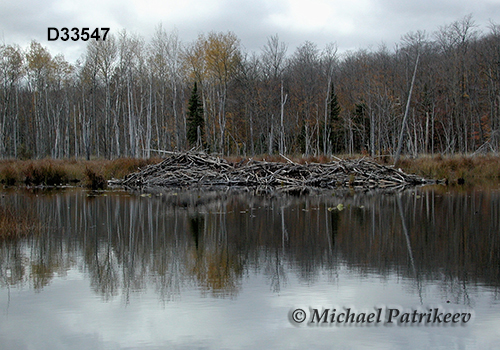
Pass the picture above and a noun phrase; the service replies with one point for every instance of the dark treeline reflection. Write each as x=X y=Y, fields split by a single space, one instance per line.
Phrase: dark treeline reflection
x=127 y=243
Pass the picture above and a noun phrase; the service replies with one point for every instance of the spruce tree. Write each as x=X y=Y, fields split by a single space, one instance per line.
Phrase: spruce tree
x=195 y=122
x=336 y=130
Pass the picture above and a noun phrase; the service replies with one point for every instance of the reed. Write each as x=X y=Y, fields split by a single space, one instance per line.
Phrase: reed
x=45 y=172
x=455 y=168
x=54 y=172
x=9 y=175
x=94 y=179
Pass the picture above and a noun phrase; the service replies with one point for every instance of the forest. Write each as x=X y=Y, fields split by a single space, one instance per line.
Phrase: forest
x=129 y=96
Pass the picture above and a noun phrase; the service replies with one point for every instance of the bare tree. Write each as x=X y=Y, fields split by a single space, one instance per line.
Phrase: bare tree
x=329 y=61
x=11 y=71
x=273 y=67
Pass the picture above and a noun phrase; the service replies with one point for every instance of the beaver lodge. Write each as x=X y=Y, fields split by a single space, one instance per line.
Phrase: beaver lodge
x=191 y=170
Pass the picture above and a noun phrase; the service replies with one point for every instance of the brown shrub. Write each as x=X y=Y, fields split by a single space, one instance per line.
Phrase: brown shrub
x=9 y=175
x=94 y=180
x=45 y=172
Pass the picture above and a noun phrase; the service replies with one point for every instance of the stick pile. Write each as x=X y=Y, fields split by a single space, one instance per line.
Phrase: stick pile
x=199 y=170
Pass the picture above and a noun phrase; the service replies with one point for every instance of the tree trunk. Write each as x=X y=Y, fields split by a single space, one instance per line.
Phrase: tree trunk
x=401 y=135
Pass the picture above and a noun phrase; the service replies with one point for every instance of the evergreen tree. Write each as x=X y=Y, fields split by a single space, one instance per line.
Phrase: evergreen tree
x=335 y=128
x=195 y=122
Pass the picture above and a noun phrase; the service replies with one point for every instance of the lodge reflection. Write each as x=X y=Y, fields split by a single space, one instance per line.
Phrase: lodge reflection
x=129 y=243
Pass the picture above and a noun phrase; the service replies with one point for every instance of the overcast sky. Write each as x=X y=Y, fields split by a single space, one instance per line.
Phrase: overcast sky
x=352 y=24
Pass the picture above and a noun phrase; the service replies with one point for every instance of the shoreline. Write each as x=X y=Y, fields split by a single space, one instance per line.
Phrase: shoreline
x=466 y=170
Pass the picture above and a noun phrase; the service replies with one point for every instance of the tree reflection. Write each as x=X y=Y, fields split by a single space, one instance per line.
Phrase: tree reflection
x=128 y=243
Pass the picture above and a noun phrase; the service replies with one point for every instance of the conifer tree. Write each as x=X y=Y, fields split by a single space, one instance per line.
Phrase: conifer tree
x=195 y=122
x=336 y=132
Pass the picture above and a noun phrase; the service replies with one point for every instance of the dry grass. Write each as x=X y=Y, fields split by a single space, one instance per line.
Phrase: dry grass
x=94 y=180
x=455 y=168
x=54 y=172
x=16 y=224
x=121 y=167
x=9 y=175
x=45 y=172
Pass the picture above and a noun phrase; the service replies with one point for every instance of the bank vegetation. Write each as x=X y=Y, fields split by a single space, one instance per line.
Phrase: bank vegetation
x=94 y=174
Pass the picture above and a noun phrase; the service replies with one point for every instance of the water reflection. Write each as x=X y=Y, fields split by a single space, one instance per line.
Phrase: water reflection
x=168 y=242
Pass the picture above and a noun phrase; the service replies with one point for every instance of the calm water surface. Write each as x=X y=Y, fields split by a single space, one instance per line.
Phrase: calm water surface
x=219 y=270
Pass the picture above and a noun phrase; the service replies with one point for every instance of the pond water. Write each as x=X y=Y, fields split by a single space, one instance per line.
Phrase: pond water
x=226 y=270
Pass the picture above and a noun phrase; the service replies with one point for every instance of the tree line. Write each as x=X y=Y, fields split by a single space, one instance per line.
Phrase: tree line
x=128 y=97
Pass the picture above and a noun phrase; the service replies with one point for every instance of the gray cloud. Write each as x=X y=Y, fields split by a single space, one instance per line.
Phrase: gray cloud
x=352 y=25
